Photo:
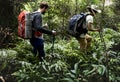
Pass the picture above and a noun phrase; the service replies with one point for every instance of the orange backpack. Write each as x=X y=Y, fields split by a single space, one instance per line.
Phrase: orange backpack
x=25 y=25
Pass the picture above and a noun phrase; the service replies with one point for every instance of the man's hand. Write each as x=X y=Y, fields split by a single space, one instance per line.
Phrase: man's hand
x=45 y=25
x=53 y=32
x=99 y=30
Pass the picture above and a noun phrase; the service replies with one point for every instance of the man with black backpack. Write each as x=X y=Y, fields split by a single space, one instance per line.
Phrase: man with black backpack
x=37 y=38
x=80 y=25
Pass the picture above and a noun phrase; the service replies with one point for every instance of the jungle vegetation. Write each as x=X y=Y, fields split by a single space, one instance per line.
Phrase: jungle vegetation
x=64 y=63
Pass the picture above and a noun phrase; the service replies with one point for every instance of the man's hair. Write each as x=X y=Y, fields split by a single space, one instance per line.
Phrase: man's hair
x=43 y=4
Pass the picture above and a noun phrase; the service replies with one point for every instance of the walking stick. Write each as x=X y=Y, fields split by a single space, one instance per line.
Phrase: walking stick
x=53 y=41
x=106 y=75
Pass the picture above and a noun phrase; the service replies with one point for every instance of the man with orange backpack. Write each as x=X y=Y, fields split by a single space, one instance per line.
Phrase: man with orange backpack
x=37 y=38
x=30 y=27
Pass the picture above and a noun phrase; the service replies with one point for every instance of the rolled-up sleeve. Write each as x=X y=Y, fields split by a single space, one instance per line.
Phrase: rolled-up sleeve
x=89 y=19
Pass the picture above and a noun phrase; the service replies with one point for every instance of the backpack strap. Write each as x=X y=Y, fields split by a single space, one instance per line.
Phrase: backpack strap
x=80 y=21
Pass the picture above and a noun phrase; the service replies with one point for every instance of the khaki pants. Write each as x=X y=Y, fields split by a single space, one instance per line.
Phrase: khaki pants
x=85 y=42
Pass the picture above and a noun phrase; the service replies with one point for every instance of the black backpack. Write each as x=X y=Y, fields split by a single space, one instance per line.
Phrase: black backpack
x=76 y=25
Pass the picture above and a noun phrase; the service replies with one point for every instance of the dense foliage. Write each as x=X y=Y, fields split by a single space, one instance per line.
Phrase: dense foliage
x=64 y=63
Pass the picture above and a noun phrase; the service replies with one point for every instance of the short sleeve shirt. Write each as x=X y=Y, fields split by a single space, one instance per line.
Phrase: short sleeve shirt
x=89 y=19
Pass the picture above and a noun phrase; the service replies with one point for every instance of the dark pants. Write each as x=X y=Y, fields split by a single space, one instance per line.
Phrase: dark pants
x=38 y=47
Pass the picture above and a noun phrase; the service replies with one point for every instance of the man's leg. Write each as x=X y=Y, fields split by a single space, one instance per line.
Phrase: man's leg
x=83 y=44
x=34 y=50
x=89 y=40
x=40 y=49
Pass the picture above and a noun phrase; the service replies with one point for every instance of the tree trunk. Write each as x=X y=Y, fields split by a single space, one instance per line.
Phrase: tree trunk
x=6 y=13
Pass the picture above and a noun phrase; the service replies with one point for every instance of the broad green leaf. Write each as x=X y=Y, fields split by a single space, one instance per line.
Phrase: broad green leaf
x=68 y=80
x=71 y=75
x=101 y=69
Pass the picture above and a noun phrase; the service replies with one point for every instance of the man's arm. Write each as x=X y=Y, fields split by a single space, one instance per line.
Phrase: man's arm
x=89 y=20
x=91 y=28
x=37 y=23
